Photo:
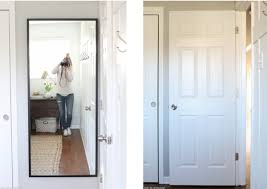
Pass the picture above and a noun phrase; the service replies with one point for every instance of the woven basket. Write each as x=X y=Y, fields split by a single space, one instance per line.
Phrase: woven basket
x=46 y=125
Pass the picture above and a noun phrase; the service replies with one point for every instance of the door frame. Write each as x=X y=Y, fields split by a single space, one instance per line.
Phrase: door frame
x=159 y=11
x=10 y=6
x=241 y=95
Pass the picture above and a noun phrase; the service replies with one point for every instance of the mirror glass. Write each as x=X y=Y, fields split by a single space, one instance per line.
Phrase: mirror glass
x=62 y=59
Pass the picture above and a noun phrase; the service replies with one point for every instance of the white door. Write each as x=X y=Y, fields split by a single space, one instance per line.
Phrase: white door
x=5 y=111
x=151 y=29
x=88 y=95
x=202 y=98
x=105 y=44
x=113 y=97
x=259 y=118
x=88 y=111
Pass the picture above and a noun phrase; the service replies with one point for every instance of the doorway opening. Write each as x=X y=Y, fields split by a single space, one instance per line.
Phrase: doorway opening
x=207 y=63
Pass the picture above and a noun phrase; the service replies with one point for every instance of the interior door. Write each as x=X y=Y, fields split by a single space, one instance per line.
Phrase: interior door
x=5 y=111
x=113 y=97
x=88 y=110
x=88 y=96
x=202 y=98
x=151 y=34
x=105 y=44
x=91 y=104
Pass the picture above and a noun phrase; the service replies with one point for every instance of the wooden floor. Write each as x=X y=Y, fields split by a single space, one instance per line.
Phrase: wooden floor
x=73 y=159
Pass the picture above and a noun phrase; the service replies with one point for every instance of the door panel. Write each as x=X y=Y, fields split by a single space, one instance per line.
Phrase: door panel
x=5 y=116
x=151 y=98
x=113 y=96
x=215 y=72
x=202 y=98
x=187 y=73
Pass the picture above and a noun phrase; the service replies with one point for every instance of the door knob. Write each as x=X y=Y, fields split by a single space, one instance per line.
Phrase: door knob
x=153 y=104
x=88 y=108
x=6 y=117
x=173 y=107
x=106 y=139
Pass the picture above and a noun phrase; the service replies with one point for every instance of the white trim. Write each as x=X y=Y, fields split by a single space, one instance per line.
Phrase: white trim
x=75 y=126
x=134 y=90
x=165 y=180
x=7 y=5
x=160 y=12
x=242 y=5
x=13 y=71
x=10 y=6
x=241 y=101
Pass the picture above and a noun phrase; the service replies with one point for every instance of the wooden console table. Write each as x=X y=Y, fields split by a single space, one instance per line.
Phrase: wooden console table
x=43 y=108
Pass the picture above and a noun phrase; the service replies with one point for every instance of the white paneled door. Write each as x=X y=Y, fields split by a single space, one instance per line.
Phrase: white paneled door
x=151 y=34
x=88 y=96
x=113 y=95
x=88 y=109
x=5 y=119
x=202 y=98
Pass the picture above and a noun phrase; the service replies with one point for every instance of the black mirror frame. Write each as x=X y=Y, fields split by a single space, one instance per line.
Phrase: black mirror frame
x=97 y=90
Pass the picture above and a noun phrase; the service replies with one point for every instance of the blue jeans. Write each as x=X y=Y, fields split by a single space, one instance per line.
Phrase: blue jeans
x=65 y=106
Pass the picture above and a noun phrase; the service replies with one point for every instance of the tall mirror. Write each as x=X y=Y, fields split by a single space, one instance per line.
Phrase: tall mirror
x=62 y=71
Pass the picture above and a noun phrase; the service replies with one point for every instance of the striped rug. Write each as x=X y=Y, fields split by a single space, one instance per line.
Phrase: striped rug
x=45 y=154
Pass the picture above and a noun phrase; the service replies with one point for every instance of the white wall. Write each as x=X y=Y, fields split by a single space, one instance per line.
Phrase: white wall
x=176 y=6
x=40 y=9
x=69 y=31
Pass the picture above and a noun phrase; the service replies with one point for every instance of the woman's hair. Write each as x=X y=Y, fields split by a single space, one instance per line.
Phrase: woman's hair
x=66 y=62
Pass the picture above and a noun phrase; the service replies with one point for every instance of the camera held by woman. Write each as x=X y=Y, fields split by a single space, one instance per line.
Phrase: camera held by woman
x=66 y=62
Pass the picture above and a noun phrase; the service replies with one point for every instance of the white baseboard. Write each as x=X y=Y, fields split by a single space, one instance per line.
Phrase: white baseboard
x=72 y=127
x=75 y=127
x=165 y=180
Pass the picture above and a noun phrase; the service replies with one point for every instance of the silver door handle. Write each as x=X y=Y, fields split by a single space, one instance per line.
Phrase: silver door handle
x=88 y=108
x=6 y=117
x=106 y=139
x=173 y=107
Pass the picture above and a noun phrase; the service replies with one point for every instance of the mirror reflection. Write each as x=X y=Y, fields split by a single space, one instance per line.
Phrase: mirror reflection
x=62 y=97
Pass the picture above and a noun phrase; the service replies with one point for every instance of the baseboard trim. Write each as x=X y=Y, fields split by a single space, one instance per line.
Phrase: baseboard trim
x=165 y=180
x=75 y=127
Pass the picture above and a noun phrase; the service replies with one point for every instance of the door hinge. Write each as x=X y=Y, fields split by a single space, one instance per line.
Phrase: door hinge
x=236 y=30
x=101 y=178
x=236 y=156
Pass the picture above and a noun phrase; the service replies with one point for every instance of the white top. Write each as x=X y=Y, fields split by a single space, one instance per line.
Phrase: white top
x=63 y=86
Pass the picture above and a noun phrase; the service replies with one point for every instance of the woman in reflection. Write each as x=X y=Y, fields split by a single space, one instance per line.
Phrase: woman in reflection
x=64 y=92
